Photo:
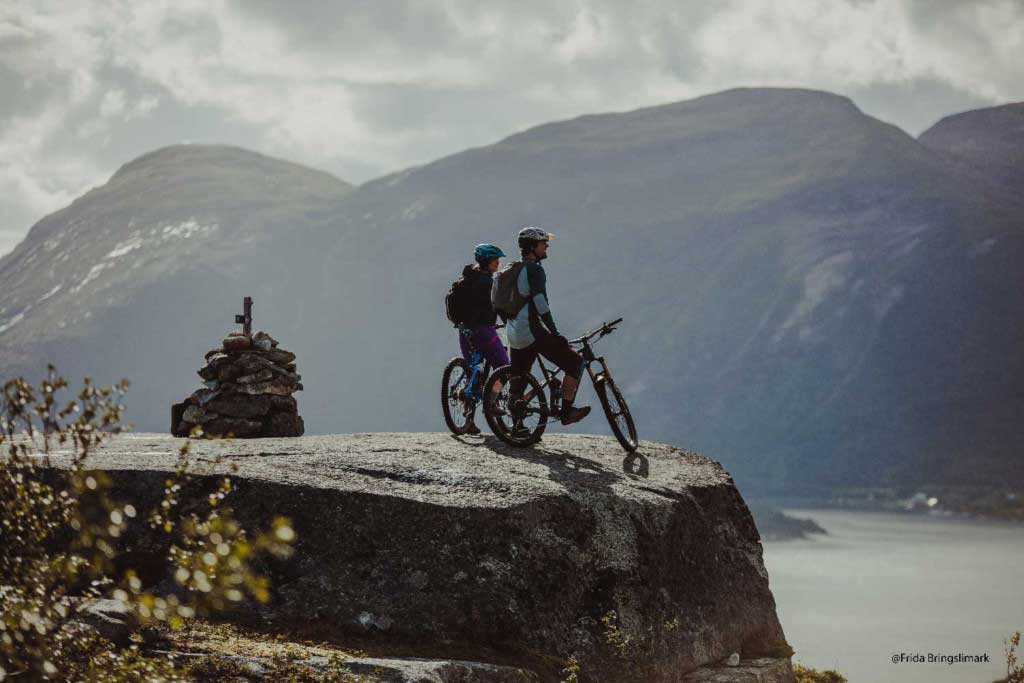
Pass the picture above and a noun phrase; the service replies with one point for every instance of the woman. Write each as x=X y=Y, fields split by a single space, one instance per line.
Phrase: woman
x=479 y=331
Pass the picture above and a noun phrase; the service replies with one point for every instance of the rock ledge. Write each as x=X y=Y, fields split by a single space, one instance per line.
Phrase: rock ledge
x=423 y=545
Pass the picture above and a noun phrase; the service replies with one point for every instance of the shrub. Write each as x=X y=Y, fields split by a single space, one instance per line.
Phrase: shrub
x=571 y=671
x=61 y=531
x=805 y=674
x=1014 y=671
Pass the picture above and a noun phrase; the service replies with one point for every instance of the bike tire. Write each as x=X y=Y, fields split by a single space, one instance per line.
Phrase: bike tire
x=617 y=412
x=455 y=407
x=502 y=413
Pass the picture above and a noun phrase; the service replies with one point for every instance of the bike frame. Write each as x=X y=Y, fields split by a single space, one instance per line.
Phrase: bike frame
x=479 y=367
x=589 y=360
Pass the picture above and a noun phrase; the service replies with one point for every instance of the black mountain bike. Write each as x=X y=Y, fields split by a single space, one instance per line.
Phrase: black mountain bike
x=520 y=420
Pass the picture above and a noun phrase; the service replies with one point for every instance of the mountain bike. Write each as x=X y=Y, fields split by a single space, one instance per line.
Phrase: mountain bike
x=520 y=419
x=461 y=385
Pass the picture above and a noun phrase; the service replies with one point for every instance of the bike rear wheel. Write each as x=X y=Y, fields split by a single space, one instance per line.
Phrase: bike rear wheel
x=617 y=412
x=516 y=420
x=457 y=408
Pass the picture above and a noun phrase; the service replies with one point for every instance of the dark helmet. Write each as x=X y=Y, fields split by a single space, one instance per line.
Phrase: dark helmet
x=485 y=253
x=528 y=237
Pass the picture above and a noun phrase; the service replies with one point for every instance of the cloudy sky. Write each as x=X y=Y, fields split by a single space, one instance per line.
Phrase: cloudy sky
x=360 y=88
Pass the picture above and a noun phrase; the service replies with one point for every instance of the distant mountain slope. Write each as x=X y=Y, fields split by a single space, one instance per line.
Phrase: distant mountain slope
x=811 y=296
x=112 y=284
x=989 y=142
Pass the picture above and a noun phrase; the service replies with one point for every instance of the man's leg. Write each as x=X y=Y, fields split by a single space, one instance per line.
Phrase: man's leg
x=562 y=355
x=521 y=361
x=569 y=386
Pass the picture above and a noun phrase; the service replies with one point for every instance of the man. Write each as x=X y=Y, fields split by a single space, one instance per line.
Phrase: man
x=479 y=330
x=532 y=331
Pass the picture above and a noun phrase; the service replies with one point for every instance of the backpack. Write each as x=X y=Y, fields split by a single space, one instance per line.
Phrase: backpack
x=505 y=296
x=456 y=302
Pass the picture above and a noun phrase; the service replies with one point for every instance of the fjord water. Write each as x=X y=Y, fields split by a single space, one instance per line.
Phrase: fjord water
x=879 y=584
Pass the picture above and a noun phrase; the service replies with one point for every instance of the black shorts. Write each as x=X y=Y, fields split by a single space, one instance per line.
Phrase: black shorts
x=555 y=349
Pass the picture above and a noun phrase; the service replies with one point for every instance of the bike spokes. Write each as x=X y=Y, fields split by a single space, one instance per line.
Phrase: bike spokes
x=519 y=416
x=457 y=403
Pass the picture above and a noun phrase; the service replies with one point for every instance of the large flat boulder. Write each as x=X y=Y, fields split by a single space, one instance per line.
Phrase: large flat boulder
x=644 y=568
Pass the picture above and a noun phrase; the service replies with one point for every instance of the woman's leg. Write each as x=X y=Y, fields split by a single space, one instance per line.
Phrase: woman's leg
x=464 y=346
x=489 y=344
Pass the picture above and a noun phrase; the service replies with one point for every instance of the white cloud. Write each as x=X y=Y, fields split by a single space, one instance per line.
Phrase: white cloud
x=40 y=184
x=366 y=87
x=143 y=107
x=113 y=103
x=975 y=47
x=587 y=38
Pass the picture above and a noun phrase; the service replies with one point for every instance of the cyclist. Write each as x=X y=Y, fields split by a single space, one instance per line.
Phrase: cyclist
x=532 y=331
x=479 y=328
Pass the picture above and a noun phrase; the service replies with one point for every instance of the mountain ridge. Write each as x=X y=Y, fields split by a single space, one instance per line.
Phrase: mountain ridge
x=189 y=153
x=989 y=143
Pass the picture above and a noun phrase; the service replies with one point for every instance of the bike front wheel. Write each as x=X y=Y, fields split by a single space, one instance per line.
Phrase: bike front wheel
x=458 y=409
x=617 y=412
x=517 y=414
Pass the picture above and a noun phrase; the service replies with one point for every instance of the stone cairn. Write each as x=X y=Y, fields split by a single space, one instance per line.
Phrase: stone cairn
x=249 y=383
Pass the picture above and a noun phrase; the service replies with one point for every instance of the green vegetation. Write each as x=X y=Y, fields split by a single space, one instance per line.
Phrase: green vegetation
x=62 y=532
x=805 y=674
x=621 y=642
x=571 y=670
x=1014 y=671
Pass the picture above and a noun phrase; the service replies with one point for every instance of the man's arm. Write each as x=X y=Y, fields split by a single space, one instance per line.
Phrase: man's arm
x=539 y=295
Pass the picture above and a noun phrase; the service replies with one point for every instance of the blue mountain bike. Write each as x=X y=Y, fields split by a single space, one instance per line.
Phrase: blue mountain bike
x=462 y=390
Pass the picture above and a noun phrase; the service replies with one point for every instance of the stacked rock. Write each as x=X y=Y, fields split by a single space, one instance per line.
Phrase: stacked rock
x=248 y=393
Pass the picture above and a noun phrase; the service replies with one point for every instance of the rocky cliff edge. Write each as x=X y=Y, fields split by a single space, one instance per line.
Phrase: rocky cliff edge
x=643 y=568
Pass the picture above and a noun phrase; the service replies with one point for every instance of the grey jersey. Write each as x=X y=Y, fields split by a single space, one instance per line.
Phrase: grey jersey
x=524 y=328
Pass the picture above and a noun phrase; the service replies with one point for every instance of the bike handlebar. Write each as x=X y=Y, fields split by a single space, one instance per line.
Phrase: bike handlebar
x=606 y=328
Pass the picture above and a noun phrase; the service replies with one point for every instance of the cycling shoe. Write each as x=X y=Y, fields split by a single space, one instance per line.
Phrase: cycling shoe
x=570 y=415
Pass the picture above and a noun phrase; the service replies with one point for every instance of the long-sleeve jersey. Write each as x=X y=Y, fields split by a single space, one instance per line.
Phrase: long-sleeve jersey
x=481 y=311
x=526 y=327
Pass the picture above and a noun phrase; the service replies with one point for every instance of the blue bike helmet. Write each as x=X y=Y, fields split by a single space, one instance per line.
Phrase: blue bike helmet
x=485 y=253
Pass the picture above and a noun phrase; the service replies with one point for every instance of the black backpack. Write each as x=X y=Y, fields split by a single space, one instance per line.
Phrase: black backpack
x=456 y=302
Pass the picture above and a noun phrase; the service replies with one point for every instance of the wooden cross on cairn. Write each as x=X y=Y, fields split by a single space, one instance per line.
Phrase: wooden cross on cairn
x=246 y=318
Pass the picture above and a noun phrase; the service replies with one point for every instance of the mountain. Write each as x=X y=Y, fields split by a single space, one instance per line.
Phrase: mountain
x=810 y=295
x=988 y=142
x=116 y=284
